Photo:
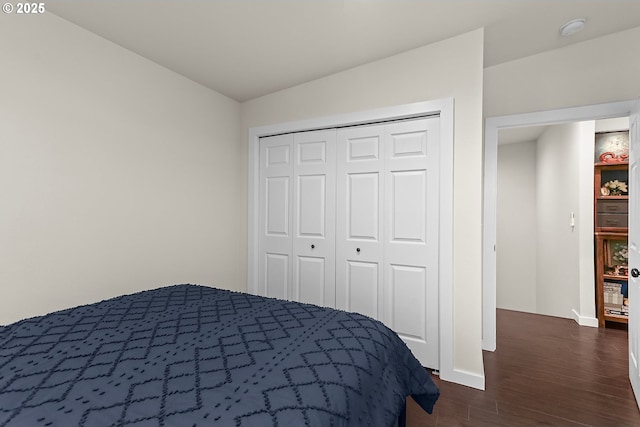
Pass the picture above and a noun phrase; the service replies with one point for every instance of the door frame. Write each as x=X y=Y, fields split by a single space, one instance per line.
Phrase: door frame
x=489 y=226
x=634 y=319
x=444 y=108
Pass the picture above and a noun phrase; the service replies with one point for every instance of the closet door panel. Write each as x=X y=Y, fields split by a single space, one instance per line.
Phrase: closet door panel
x=277 y=206
x=411 y=235
x=314 y=217
x=363 y=198
x=408 y=203
x=276 y=274
x=359 y=244
x=362 y=285
x=276 y=168
x=311 y=279
x=310 y=200
x=407 y=288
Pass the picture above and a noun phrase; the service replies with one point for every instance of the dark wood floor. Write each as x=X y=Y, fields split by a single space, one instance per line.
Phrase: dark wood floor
x=546 y=371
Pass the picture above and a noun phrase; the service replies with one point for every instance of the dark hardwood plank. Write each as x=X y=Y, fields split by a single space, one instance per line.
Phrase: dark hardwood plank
x=546 y=371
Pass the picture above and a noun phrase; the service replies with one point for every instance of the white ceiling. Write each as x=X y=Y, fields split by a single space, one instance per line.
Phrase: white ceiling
x=248 y=48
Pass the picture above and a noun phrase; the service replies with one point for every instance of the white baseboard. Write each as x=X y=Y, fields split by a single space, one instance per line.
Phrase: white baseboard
x=489 y=345
x=461 y=377
x=584 y=320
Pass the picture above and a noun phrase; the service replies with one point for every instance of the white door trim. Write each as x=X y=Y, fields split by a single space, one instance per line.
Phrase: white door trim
x=445 y=109
x=492 y=126
x=634 y=259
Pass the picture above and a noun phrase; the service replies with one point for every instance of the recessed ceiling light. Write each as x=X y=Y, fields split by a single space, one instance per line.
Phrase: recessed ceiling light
x=572 y=27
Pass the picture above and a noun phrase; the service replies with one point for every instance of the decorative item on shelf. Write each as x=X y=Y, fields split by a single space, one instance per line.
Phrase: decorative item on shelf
x=616 y=254
x=615 y=298
x=610 y=157
x=613 y=188
x=617 y=271
x=612 y=147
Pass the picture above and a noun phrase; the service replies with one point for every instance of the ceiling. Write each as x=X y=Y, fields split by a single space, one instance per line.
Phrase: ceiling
x=248 y=48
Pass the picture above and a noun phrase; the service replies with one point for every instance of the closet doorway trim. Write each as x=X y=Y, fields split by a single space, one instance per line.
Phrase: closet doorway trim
x=444 y=108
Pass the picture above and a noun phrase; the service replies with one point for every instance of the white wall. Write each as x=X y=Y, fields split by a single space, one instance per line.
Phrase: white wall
x=558 y=243
x=585 y=312
x=516 y=274
x=611 y=125
x=452 y=68
x=116 y=174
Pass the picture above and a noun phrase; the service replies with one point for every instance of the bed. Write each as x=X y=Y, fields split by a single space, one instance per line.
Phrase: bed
x=189 y=355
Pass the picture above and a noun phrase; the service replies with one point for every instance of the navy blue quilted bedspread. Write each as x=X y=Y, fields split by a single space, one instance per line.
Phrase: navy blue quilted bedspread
x=189 y=355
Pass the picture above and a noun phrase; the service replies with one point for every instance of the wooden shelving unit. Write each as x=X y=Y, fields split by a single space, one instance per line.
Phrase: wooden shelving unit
x=604 y=304
x=611 y=228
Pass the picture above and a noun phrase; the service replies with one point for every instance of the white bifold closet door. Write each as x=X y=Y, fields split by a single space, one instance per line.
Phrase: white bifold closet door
x=314 y=210
x=297 y=204
x=349 y=219
x=360 y=214
x=275 y=216
x=387 y=229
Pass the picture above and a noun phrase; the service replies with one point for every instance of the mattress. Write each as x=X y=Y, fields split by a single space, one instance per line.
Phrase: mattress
x=188 y=355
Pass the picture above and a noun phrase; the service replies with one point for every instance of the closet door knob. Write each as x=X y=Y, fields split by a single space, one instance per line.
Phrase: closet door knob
x=313 y=246
x=358 y=250
x=635 y=272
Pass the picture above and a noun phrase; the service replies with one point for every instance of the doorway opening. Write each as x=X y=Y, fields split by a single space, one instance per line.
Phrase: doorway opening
x=492 y=127
x=545 y=218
